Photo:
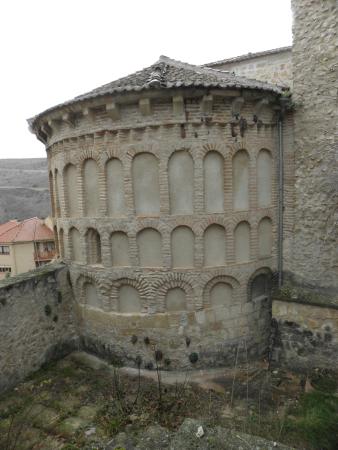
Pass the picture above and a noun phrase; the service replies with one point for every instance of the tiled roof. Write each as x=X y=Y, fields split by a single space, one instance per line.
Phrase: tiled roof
x=168 y=73
x=8 y=225
x=28 y=230
x=248 y=56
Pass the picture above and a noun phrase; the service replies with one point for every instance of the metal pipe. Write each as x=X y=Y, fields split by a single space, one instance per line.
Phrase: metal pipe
x=280 y=198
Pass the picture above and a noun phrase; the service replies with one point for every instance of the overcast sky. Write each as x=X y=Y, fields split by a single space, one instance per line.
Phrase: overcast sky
x=52 y=51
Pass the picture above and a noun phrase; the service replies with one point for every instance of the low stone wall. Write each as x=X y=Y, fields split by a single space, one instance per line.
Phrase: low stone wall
x=36 y=322
x=187 y=340
x=305 y=335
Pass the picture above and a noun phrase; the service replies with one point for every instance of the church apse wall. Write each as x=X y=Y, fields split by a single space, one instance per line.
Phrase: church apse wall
x=168 y=222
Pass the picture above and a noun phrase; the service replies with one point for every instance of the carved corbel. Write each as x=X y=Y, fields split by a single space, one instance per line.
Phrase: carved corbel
x=206 y=104
x=145 y=106
x=69 y=119
x=113 y=110
x=88 y=112
x=236 y=106
x=178 y=105
x=41 y=135
x=53 y=124
x=259 y=106
x=46 y=129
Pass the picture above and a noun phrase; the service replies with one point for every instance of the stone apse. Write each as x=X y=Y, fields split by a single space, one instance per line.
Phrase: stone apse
x=164 y=197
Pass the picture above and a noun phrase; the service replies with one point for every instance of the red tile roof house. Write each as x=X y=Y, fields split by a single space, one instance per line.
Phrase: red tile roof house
x=24 y=246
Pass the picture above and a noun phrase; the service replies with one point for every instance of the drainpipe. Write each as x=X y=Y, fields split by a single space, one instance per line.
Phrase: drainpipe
x=280 y=196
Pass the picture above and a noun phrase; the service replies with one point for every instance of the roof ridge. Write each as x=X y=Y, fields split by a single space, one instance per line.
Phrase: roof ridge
x=185 y=65
x=249 y=55
x=19 y=228
x=114 y=81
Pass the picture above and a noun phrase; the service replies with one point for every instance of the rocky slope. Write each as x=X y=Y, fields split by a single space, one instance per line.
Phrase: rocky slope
x=23 y=189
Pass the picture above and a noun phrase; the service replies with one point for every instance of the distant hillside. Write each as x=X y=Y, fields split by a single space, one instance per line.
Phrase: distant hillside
x=24 y=189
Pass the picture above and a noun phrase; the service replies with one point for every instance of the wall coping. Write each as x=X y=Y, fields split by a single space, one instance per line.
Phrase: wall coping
x=36 y=273
x=306 y=297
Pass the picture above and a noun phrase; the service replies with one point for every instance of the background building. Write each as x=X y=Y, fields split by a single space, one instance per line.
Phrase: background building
x=24 y=246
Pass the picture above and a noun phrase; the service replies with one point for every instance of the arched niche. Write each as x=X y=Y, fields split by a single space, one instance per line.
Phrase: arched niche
x=129 y=300
x=182 y=247
x=149 y=245
x=242 y=242
x=52 y=193
x=75 y=245
x=265 y=237
x=214 y=246
x=146 y=184
x=181 y=183
x=91 y=188
x=93 y=246
x=91 y=295
x=176 y=300
x=240 y=180
x=213 y=182
x=57 y=193
x=115 y=187
x=119 y=249
x=221 y=295
x=264 y=179
x=71 y=191
x=61 y=243
x=261 y=286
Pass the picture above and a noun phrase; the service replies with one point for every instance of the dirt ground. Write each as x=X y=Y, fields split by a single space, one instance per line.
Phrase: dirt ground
x=81 y=402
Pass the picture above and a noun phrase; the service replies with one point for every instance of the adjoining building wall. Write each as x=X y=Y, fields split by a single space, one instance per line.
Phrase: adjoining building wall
x=167 y=248
x=313 y=256
x=37 y=322
x=23 y=255
x=272 y=66
x=7 y=261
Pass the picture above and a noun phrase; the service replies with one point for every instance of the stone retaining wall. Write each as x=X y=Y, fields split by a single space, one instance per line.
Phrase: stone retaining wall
x=36 y=321
x=305 y=335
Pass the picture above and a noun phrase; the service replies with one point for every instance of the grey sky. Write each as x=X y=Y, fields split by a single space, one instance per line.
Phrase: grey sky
x=54 y=50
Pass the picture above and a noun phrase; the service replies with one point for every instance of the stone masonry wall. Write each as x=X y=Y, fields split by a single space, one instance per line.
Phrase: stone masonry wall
x=121 y=299
x=305 y=335
x=313 y=259
x=36 y=320
x=273 y=67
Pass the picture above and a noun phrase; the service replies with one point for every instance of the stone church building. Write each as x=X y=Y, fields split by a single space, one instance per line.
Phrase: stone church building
x=182 y=194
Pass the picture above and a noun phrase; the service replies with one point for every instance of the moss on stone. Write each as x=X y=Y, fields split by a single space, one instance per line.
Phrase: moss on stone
x=307 y=296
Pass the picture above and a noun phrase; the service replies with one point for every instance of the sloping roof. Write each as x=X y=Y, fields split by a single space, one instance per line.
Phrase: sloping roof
x=8 y=225
x=248 y=56
x=28 y=230
x=168 y=73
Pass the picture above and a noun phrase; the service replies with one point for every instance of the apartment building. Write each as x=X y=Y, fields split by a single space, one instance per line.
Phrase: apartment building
x=24 y=246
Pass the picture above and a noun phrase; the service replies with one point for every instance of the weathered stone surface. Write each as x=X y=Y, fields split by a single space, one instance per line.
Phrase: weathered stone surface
x=42 y=416
x=71 y=425
x=88 y=412
x=305 y=336
x=37 y=322
x=274 y=66
x=214 y=438
x=314 y=254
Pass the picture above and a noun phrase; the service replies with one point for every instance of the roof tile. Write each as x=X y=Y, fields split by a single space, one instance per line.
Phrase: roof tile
x=168 y=73
x=29 y=230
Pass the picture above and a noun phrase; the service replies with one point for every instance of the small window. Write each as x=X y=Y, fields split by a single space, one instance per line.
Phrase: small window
x=4 y=250
x=6 y=269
